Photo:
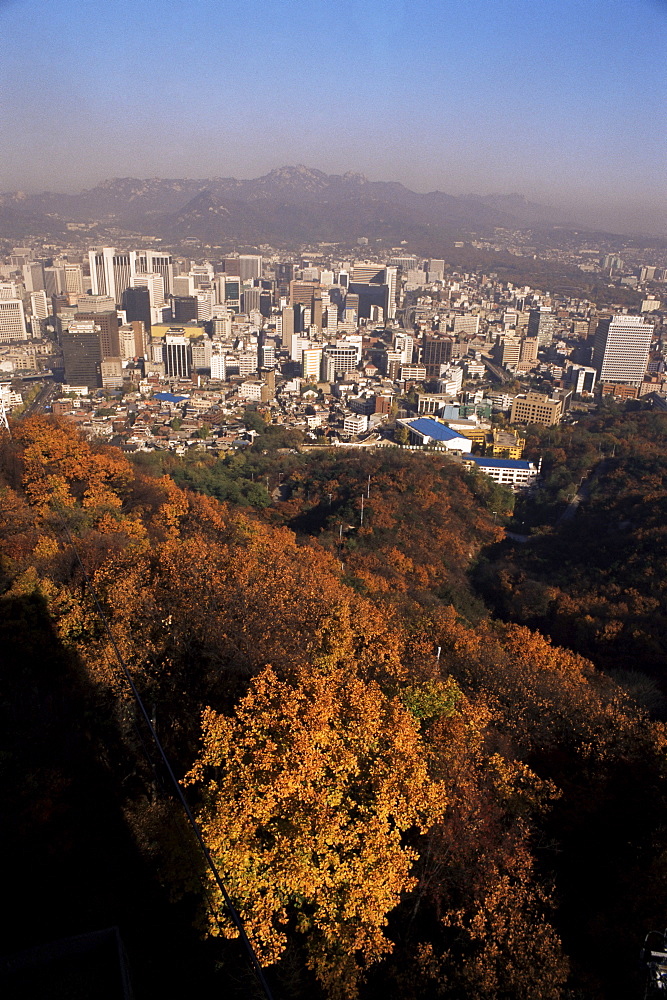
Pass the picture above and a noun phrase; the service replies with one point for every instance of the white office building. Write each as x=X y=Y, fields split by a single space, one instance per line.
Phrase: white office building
x=12 y=321
x=621 y=349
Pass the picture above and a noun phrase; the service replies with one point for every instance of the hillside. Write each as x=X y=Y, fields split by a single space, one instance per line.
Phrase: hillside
x=288 y=204
x=402 y=795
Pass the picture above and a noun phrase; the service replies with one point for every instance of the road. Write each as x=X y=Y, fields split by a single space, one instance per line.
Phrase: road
x=41 y=400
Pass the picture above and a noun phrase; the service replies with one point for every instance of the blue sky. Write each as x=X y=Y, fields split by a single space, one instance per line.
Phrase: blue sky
x=562 y=100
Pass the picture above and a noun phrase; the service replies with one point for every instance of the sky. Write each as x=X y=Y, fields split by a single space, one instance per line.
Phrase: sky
x=563 y=101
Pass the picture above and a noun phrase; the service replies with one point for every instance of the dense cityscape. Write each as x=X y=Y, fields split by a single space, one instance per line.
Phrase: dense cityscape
x=333 y=500
x=150 y=349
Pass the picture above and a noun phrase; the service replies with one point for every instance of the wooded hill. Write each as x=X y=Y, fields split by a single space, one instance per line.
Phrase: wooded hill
x=402 y=793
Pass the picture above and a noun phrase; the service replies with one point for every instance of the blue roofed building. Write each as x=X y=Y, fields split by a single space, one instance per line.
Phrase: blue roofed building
x=168 y=397
x=430 y=433
x=517 y=474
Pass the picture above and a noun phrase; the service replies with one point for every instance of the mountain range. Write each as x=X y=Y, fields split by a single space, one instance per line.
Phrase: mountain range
x=287 y=205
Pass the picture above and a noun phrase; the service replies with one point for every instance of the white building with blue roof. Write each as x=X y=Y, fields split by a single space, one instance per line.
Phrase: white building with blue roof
x=517 y=474
x=431 y=433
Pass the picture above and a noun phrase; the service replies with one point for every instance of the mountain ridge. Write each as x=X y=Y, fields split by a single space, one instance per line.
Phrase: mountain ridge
x=289 y=203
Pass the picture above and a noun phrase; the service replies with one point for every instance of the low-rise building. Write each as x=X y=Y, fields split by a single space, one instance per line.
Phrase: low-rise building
x=427 y=432
x=355 y=423
x=517 y=474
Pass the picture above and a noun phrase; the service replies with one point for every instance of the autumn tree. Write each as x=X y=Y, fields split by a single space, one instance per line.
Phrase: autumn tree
x=308 y=791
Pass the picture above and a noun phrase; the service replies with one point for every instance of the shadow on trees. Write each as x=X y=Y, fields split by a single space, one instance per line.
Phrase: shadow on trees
x=70 y=863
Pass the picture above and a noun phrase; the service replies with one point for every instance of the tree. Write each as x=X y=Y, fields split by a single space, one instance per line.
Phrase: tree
x=307 y=793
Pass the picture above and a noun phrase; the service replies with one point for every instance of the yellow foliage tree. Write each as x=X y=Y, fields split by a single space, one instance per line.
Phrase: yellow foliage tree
x=308 y=792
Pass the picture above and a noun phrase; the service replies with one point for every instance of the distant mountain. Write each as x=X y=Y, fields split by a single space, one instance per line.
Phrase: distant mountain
x=286 y=205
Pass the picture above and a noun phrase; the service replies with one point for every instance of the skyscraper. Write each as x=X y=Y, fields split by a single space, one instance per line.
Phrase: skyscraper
x=154 y=282
x=54 y=281
x=39 y=305
x=621 y=349
x=150 y=262
x=82 y=354
x=137 y=305
x=107 y=325
x=74 y=279
x=185 y=308
x=12 y=320
x=33 y=277
x=111 y=271
x=542 y=324
x=177 y=356
x=250 y=266
x=435 y=353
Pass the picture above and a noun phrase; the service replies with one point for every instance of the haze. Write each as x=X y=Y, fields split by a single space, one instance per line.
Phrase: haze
x=561 y=101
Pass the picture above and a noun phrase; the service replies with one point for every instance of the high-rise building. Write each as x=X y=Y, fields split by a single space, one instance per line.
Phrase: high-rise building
x=338 y=361
x=95 y=303
x=404 y=343
x=436 y=352
x=468 y=324
x=251 y=299
x=528 y=357
x=311 y=361
x=54 y=281
x=107 y=324
x=154 y=282
x=185 y=308
x=12 y=321
x=302 y=292
x=184 y=284
x=74 y=279
x=510 y=352
x=205 y=303
x=228 y=291
x=33 y=277
x=250 y=266
x=218 y=362
x=222 y=325
x=284 y=274
x=111 y=271
x=201 y=353
x=127 y=342
x=580 y=378
x=39 y=305
x=177 y=356
x=535 y=408
x=390 y=279
x=82 y=354
x=287 y=327
x=137 y=304
x=151 y=262
x=232 y=266
x=20 y=256
x=267 y=355
x=407 y=262
x=621 y=349
x=366 y=271
x=542 y=324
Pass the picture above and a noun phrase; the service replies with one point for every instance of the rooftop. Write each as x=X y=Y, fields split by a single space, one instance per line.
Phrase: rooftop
x=500 y=463
x=435 y=430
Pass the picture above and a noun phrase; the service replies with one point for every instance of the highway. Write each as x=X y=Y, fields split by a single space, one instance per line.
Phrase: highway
x=41 y=400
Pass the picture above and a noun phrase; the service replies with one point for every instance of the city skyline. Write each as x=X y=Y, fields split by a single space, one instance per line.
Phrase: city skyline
x=558 y=103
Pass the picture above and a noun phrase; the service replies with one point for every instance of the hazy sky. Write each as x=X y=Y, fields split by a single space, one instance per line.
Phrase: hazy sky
x=556 y=99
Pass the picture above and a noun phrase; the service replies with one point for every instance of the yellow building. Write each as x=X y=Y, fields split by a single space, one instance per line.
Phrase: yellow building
x=506 y=444
x=535 y=408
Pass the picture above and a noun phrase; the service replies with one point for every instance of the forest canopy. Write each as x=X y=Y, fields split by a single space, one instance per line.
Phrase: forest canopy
x=403 y=792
